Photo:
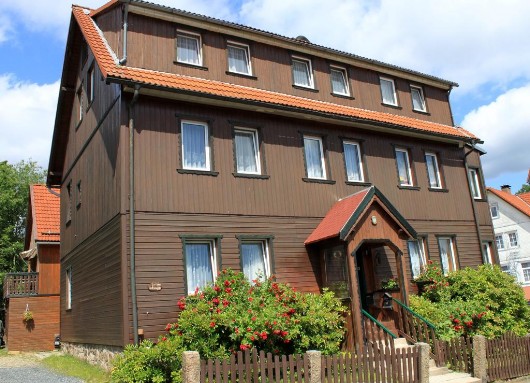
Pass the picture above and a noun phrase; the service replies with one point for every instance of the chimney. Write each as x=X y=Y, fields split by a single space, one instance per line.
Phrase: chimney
x=506 y=189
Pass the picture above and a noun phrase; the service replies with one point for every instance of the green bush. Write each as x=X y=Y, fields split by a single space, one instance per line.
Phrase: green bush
x=467 y=302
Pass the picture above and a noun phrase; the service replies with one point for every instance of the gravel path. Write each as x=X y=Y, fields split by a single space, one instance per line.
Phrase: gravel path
x=25 y=368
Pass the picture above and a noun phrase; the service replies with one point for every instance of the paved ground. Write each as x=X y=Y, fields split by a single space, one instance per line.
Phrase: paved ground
x=25 y=368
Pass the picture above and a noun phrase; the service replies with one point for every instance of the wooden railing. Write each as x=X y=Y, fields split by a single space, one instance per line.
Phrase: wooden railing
x=457 y=354
x=21 y=284
x=508 y=357
x=414 y=327
x=375 y=332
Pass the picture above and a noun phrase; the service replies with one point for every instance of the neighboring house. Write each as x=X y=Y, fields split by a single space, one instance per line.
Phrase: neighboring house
x=38 y=289
x=185 y=144
x=510 y=214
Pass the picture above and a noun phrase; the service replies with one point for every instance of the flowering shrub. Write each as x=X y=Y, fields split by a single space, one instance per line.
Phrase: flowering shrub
x=234 y=315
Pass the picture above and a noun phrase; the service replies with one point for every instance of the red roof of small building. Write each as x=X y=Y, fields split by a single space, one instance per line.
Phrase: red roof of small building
x=108 y=64
x=45 y=207
x=337 y=217
x=520 y=203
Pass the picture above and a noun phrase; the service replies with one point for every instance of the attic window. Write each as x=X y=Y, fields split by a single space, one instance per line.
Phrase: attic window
x=239 y=58
x=388 y=91
x=418 y=101
x=189 y=48
x=302 y=72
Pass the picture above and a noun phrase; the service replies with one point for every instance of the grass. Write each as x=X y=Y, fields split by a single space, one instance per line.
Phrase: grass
x=3 y=351
x=71 y=366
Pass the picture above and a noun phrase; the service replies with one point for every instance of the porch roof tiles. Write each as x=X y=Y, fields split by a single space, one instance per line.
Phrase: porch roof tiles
x=45 y=204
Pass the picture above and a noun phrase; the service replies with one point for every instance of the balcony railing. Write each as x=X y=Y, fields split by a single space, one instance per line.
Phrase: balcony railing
x=21 y=284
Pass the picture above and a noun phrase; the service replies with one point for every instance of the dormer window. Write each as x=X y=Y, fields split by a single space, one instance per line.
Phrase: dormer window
x=339 y=81
x=302 y=73
x=239 y=58
x=418 y=101
x=189 y=48
x=388 y=91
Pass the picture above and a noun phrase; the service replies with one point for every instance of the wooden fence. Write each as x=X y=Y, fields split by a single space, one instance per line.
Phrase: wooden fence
x=508 y=357
x=457 y=354
x=373 y=364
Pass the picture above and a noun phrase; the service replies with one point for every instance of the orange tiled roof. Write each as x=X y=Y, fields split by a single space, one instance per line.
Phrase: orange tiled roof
x=109 y=67
x=45 y=208
x=521 y=204
x=337 y=217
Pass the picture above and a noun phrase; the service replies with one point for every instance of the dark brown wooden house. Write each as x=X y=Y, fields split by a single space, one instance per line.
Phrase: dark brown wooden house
x=185 y=144
x=36 y=290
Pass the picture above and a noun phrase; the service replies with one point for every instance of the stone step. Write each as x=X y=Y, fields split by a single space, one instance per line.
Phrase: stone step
x=434 y=371
x=453 y=377
x=401 y=343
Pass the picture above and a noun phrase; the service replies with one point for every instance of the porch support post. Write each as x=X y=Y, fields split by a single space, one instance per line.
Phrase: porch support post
x=355 y=301
x=400 y=261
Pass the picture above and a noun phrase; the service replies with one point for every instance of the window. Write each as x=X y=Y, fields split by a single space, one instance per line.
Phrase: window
x=80 y=103
x=189 y=48
x=339 y=81
x=499 y=241
x=433 y=171
x=447 y=254
x=78 y=195
x=388 y=91
x=90 y=85
x=201 y=263
x=417 y=256
x=526 y=271
x=487 y=254
x=352 y=158
x=418 y=101
x=69 y=288
x=336 y=272
x=514 y=241
x=69 y=202
x=403 y=165
x=247 y=151
x=494 y=209
x=195 y=146
x=314 y=157
x=475 y=183
x=255 y=259
x=239 y=59
x=302 y=73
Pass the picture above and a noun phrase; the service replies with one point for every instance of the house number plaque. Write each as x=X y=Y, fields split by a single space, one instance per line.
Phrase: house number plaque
x=155 y=286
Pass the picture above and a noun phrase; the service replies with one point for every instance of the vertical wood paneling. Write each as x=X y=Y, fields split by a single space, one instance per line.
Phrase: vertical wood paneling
x=49 y=269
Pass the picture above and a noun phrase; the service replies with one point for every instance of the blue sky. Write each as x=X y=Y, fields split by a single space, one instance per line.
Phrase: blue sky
x=484 y=49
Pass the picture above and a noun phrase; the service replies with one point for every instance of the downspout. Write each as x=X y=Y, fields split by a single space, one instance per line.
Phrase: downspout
x=477 y=226
x=123 y=60
x=131 y=215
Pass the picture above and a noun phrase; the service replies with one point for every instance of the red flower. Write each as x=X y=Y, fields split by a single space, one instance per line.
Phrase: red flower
x=227 y=283
x=215 y=301
x=263 y=335
x=252 y=338
x=212 y=324
x=457 y=321
x=182 y=305
x=244 y=347
x=228 y=290
x=284 y=333
x=163 y=338
x=250 y=299
x=253 y=319
x=225 y=303
x=276 y=332
x=217 y=288
x=169 y=327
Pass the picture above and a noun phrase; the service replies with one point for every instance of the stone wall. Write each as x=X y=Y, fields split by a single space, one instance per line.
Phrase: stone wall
x=98 y=355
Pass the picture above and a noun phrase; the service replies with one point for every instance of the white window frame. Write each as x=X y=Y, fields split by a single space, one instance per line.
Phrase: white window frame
x=80 y=102
x=499 y=241
x=344 y=76
x=255 y=140
x=190 y=35
x=451 y=257
x=309 y=67
x=391 y=81
x=246 y=49
x=525 y=272
x=422 y=98
x=68 y=294
x=360 y=162
x=409 y=181
x=420 y=243
x=90 y=84
x=212 y=247
x=206 y=147
x=475 y=183
x=494 y=206
x=487 y=254
x=436 y=171
x=511 y=242
x=322 y=157
x=265 y=251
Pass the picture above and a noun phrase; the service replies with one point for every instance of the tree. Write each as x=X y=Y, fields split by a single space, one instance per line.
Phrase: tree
x=14 y=191
x=524 y=189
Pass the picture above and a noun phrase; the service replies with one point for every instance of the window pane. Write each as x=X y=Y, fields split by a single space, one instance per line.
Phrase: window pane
x=446 y=254
x=253 y=260
x=336 y=272
x=238 y=60
x=301 y=73
x=526 y=271
x=499 y=241
x=403 y=168
x=194 y=146
x=486 y=253
x=188 y=49
x=198 y=265
x=353 y=162
x=387 y=90
x=418 y=103
x=494 y=211
x=433 y=171
x=313 y=158
x=513 y=239
x=246 y=152
x=417 y=257
x=475 y=188
x=338 y=82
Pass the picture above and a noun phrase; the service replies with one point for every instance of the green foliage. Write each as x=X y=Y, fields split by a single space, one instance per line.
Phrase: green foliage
x=483 y=301
x=148 y=363
x=525 y=188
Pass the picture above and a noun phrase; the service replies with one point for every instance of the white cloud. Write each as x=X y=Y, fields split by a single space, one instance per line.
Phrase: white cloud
x=27 y=117
x=504 y=125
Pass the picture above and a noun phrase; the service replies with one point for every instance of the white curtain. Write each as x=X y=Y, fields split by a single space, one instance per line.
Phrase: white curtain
x=313 y=158
x=403 y=168
x=301 y=73
x=246 y=152
x=237 y=60
x=338 y=82
x=417 y=100
x=445 y=253
x=188 y=49
x=198 y=265
x=415 y=257
x=432 y=170
x=194 y=146
x=253 y=260
x=353 y=163
x=387 y=89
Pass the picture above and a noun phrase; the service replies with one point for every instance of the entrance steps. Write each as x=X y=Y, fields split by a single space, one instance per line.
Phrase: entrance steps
x=443 y=375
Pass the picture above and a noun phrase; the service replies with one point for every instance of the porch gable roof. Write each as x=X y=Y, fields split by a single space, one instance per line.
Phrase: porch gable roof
x=345 y=213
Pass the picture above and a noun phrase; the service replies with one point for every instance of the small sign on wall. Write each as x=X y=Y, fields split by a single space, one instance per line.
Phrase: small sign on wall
x=155 y=286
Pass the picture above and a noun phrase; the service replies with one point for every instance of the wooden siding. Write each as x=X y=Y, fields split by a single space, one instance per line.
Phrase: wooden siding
x=96 y=316
x=111 y=24
x=36 y=335
x=151 y=44
x=49 y=268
